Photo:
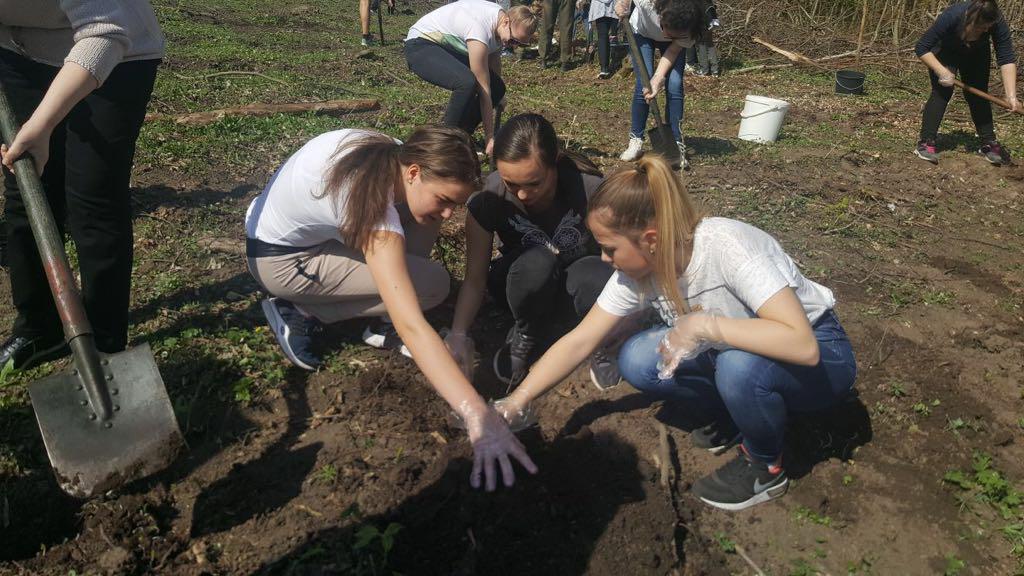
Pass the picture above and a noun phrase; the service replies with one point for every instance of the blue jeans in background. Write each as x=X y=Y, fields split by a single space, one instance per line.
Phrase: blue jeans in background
x=756 y=392
x=673 y=87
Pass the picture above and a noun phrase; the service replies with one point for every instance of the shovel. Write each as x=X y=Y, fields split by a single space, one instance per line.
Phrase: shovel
x=106 y=420
x=985 y=95
x=663 y=141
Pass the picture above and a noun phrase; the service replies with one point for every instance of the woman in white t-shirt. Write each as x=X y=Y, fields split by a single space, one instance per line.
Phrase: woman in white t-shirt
x=458 y=47
x=756 y=341
x=344 y=230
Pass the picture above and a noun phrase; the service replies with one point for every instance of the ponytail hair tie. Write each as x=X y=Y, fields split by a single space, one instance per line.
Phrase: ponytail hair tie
x=641 y=168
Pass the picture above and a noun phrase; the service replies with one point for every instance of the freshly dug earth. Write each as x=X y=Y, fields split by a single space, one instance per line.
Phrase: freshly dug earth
x=358 y=470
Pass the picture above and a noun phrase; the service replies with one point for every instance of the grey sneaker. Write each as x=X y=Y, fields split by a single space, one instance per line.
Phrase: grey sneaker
x=604 y=370
x=683 y=162
x=294 y=332
x=512 y=361
x=994 y=153
x=926 y=151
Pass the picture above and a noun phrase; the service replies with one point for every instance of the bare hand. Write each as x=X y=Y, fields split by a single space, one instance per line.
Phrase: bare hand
x=1015 y=105
x=493 y=442
x=622 y=8
x=489 y=150
x=32 y=140
x=946 y=78
x=657 y=83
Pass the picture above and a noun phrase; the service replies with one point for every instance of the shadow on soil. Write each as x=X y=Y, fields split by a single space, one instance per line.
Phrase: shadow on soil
x=710 y=146
x=544 y=525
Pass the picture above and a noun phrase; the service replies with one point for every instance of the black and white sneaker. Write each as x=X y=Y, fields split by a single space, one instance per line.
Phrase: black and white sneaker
x=741 y=483
x=604 y=370
x=294 y=332
x=381 y=333
x=512 y=361
x=716 y=437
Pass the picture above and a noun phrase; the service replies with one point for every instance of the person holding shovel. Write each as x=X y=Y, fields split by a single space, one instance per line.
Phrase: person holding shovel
x=458 y=47
x=670 y=26
x=744 y=337
x=79 y=75
x=344 y=230
x=959 y=40
x=536 y=203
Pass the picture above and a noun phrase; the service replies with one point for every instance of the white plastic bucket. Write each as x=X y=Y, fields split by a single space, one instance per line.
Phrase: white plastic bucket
x=762 y=118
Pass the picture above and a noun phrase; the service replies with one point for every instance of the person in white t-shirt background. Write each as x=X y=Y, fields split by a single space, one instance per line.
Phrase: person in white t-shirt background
x=458 y=47
x=344 y=230
x=757 y=341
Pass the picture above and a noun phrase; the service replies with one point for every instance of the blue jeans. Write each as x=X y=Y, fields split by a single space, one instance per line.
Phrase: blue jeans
x=673 y=87
x=756 y=392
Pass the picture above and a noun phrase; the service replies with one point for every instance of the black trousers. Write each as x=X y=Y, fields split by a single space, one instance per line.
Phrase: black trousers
x=973 y=73
x=86 y=182
x=450 y=70
x=537 y=288
x=604 y=25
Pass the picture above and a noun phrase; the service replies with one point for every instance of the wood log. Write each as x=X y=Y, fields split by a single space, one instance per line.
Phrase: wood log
x=329 y=107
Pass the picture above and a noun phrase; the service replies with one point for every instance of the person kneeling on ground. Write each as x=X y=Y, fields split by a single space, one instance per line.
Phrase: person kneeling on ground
x=344 y=230
x=458 y=47
x=959 y=40
x=536 y=202
x=755 y=341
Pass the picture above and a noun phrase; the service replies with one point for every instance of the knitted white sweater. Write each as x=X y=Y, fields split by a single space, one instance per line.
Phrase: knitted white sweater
x=95 y=34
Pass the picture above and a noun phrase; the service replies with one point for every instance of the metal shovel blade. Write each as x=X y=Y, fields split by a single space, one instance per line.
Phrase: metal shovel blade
x=90 y=456
x=663 y=142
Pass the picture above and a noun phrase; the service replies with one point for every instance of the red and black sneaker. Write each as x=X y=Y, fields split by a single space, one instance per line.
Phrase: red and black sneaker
x=742 y=483
x=926 y=151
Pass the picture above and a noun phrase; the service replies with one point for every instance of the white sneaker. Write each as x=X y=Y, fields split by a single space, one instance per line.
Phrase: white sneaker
x=684 y=163
x=634 y=150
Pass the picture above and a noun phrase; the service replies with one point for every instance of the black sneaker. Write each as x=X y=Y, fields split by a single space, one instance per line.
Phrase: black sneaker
x=294 y=332
x=604 y=75
x=604 y=370
x=512 y=361
x=382 y=334
x=994 y=153
x=30 y=352
x=741 y=483
x=716 y=437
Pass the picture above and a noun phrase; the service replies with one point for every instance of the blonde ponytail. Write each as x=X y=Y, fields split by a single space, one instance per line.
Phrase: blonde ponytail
x=652 y=194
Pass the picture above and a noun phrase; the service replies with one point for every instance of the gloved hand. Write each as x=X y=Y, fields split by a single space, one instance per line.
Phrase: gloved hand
x=946 y=77
x=463 y=351
x=692 y=335
x=492 y=442
x=518 y=418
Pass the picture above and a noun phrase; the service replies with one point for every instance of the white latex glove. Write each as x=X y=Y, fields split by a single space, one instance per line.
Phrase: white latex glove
x=692 y=335
x=493 y=442
x=518 y=418
x=946 y=77
x=463 y=351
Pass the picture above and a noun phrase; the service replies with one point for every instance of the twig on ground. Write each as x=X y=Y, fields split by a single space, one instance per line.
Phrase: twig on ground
x=396 y=76
x=743 y=554
x=330 y=107
x=231 y=73
x=665 y=455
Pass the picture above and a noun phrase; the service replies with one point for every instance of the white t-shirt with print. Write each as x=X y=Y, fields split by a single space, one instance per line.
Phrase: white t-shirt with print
x=293 y=209
x=645 y=21
x=734 y=269
x=453 y=25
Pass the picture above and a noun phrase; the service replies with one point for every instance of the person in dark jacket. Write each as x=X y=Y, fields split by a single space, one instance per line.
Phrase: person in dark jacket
x=959 y=41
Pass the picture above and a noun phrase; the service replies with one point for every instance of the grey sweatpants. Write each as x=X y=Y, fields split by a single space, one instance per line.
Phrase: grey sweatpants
x=332 y=281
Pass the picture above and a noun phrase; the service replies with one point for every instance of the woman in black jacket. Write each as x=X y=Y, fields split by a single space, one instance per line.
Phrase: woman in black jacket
x=959 y=40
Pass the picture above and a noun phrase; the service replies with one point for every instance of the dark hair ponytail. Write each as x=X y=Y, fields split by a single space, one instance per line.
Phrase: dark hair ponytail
x=979 y=18
x=368 y=167
x=526 y=135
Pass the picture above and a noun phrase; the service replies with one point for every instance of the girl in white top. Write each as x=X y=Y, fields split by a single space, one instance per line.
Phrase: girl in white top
x=344 y=229
x=458 y=47
x=743 y=336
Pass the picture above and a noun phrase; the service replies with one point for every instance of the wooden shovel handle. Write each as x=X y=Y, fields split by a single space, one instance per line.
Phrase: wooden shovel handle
x=985 y=95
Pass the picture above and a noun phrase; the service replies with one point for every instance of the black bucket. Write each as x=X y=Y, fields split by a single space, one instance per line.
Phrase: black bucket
x=849 y=82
